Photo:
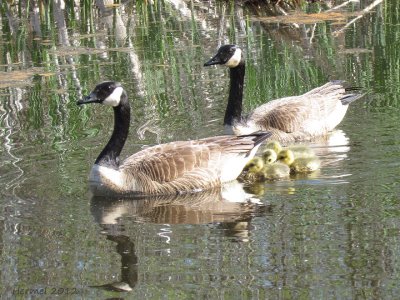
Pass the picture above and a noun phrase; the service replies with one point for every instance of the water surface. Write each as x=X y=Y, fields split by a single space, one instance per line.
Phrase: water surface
x=331 y=234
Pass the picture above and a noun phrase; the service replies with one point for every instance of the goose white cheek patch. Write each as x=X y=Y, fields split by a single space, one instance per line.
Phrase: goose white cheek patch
x=114 y=98
x=235 y=59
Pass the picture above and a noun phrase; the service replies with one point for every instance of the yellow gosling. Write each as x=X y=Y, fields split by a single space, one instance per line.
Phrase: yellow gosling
x=252 y=170
x=255 y=165
x=274 y=145
x=265 y=168
x=301 y=151
x=275 y=171
x=299 y=165
x=269 y=156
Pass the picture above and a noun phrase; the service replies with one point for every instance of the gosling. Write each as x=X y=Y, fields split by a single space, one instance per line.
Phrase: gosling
x=299 y=165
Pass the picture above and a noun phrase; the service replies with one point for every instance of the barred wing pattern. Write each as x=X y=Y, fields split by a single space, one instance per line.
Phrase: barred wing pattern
x=302 y=117
x=190 y=165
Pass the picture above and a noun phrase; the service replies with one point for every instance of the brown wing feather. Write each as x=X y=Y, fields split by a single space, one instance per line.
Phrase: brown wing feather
x=291 y=114
x=284 y=117
x=166 y=162
x=186 y=165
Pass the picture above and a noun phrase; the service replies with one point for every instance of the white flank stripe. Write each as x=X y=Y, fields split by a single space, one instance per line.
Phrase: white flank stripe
x=103 y=176
x=233 y=166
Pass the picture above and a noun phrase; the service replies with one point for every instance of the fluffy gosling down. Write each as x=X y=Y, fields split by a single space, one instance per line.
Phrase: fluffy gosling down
x=265 y=168
x=273 y=145
x=300 y=164
x=301 y=151
x=274 y=169
x=269 y=156
x=298 y=150
x=252 y=172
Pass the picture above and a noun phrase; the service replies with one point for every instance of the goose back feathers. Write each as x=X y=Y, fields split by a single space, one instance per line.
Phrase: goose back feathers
x=289 y=119
x=172 y=168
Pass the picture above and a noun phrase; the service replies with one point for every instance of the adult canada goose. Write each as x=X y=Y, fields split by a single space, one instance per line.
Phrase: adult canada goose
x=290 y=119
x=172 y=168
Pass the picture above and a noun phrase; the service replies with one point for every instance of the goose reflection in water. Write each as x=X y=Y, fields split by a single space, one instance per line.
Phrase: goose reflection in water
x=230 y=207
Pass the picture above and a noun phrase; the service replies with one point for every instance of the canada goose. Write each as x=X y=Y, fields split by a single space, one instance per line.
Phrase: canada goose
x=290 y=119
x=172 y=168
x=298 y=165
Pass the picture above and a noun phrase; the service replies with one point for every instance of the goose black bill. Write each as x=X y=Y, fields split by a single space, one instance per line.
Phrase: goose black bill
x=92 y=98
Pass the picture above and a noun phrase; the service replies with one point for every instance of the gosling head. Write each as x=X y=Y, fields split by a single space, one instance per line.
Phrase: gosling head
x=269 y=156
x=274 y=145
x=286 y=157
x=228 y=55
x=108 y=93
x=255 y=165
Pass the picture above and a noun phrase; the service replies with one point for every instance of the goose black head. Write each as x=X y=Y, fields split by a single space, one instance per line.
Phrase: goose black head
x=228 y=55
x=108 y=93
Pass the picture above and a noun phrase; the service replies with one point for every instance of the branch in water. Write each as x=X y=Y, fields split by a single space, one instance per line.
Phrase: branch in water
x=364 y=11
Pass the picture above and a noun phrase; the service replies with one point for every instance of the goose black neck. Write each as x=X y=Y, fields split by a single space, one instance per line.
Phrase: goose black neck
x=109 y=157
x=234 y=108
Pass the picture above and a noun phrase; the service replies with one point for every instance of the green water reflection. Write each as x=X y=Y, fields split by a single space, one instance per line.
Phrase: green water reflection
x=334 y=234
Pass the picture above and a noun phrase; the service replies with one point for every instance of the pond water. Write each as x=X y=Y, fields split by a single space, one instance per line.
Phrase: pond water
x=332 y=234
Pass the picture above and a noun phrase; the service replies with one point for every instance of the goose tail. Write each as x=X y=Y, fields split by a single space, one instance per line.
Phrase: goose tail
x=258 y=138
